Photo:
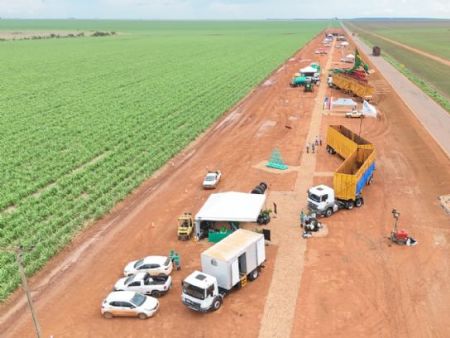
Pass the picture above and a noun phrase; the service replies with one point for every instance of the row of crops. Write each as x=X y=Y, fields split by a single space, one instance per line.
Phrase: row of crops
x=85 y=121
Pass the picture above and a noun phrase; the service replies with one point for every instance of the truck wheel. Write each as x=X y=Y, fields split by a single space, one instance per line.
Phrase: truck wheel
x=350 y=205
x=329 y=212
x=107 y=315
x=142 y=316
x=253 y=275
x=217 y=303
x=359 y=202
x=156 y=293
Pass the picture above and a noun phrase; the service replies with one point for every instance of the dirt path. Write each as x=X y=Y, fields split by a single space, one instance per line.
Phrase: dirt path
x=279 y=309
x=412 y=49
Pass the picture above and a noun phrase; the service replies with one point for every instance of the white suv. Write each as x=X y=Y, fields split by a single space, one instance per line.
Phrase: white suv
x=129 y=304
x=154 y=265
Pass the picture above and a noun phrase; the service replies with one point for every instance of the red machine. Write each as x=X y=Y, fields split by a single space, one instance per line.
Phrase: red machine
x=400 y=237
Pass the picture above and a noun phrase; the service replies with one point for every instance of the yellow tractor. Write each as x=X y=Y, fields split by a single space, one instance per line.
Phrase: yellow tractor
x=185 y=226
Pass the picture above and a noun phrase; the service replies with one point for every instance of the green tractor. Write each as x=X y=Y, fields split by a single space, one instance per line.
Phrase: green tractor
x=309 y=87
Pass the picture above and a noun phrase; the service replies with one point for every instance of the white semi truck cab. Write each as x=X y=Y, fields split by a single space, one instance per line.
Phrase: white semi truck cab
x=322 y=201
x=226 y=266
x=201 y=292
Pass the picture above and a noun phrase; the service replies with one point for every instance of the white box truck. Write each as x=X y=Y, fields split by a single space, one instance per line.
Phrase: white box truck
x=225 y=266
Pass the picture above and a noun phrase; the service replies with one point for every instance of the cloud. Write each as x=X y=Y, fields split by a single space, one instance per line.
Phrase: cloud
x=21 y=7
x=221 y=9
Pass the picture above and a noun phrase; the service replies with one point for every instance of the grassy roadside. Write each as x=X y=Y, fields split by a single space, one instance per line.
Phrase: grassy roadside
x=432 y=78
x=431 y=36
x=426 y=87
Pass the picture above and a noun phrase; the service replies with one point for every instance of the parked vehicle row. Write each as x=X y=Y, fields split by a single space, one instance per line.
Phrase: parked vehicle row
x=134 y=295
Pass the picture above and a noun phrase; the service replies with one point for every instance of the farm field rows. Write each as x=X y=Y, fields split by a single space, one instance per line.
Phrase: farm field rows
x=86 y=120
x=353 y=280
x=431 y=36
x=430 y=75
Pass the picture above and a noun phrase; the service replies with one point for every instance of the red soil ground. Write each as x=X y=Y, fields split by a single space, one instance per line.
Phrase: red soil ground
x=354 y=282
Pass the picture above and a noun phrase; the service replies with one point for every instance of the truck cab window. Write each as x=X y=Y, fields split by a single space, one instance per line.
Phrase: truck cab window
x=324 y=198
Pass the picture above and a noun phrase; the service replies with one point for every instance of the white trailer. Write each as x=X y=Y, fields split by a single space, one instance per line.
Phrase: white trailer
x=225 y=266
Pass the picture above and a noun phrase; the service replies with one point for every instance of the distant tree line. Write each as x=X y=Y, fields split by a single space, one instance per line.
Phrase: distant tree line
x=61 y=36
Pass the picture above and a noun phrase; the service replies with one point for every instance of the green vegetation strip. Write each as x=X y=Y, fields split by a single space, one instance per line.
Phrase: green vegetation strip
x=429 y=75
x=432 y=36
x=85 y=121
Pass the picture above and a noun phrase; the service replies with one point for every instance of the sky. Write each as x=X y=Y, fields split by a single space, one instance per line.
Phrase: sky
x=222 y=9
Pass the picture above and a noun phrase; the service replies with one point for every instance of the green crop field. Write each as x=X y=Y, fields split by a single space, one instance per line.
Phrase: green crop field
x=86 y=120
x=431 y=36
x=432 y=76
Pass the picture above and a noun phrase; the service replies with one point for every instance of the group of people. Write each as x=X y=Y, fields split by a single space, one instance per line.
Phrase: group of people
x=314 y=145
x=309 y=224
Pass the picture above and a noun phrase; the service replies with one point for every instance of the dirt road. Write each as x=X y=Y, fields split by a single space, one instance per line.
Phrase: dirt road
x=443 y=61
x=353 y=282
x=433 y=117
x=288 y=267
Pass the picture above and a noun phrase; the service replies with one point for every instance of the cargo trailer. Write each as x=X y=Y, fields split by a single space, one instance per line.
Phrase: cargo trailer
x=352 y=85
x=226 y=266
x=350 y=178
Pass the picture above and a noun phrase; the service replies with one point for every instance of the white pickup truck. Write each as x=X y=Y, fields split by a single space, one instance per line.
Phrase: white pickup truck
x=143 y=283
x=354 y=114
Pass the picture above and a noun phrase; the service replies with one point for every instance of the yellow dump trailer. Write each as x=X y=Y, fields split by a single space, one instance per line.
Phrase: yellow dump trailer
x=350 y=178
x=355 y=86
x=343 y=141
x=353 y=174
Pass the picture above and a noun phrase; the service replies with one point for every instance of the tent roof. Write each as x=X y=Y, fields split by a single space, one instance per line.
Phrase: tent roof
x=232 y=245
x=369 y=110
x=344 y=102
x=308 y=69
x=232 y=206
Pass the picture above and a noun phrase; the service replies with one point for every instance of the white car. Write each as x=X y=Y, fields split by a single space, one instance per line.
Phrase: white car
x=143 y=283
x=354 y=114
x=129 y=304
x=211 y=179
x=154 y=265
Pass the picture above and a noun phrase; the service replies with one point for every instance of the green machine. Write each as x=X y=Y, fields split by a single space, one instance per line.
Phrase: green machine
x=309 y=87
x=298 y=81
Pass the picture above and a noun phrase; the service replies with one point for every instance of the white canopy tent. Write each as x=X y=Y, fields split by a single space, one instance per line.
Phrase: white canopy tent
x=308 y=70
x=230 y=207
x=343 y=102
